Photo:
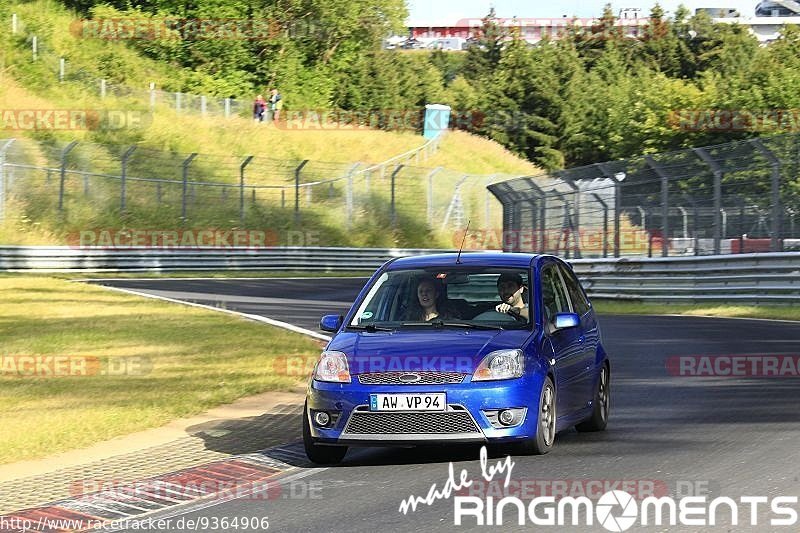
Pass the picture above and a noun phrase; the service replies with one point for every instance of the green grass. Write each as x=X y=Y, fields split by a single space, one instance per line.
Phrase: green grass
x=608 y=307
x=190 y=360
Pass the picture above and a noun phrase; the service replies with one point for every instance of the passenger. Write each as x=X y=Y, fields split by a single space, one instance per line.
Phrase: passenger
x=428 y=303
x=510 y=288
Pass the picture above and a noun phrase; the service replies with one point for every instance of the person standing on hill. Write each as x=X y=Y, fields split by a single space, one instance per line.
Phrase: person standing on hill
x=275 y=104
x=259 y=107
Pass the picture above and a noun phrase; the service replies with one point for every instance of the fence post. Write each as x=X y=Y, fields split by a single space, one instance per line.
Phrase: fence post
x=203 y=105
x=617 y=178
x=124 y=176
x=152 y=95
x=3 y=151
x=664 y=203
x=14 y=23
x=297 y=172
x=775 y=242
x=717 y=171
x=605 y=222
x=61 y=69
x=487 y=206
x=35 y=47
x=64 y=154
x=186 y=163
x=241 y=187
x=430 y=194
x=349 y=194
x=392 y=209
x=227 y=108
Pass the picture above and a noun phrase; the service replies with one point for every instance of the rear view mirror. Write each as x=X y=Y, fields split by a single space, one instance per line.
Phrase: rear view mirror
x=331 y=323
x=566 y=320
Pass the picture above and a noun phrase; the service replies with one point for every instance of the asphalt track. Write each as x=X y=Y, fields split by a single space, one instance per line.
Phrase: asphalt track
x=711 y=437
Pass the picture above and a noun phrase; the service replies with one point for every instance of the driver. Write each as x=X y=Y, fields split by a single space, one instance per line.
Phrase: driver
x=510 y=288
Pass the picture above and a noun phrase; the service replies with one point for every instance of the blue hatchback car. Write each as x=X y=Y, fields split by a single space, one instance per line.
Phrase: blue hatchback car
x=481 y=347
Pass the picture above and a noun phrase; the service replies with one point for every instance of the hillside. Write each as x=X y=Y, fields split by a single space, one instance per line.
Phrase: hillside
x=164 y=138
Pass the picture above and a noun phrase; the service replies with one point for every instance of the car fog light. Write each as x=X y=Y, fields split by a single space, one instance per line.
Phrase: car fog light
x=506 y=417
x=321 y=418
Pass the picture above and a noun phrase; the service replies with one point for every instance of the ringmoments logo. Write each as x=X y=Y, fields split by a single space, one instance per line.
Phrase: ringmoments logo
x=615 y=510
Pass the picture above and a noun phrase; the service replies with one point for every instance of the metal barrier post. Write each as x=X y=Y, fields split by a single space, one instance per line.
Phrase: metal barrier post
x=241 y=187
x=3 y=151
x=430 y=194
x=717 y=171
x=392 y=209
x=297 y=172
x=775 y=242
x=185 y=173
x=605 y=222
x=664 y=204
x=124 y=175
x=349 y=194
x=64 y=154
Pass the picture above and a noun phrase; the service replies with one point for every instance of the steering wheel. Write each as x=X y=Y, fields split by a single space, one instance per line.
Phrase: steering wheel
x=496 y=316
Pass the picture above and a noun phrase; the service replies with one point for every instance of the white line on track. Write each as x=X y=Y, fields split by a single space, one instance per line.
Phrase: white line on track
x=257 y=318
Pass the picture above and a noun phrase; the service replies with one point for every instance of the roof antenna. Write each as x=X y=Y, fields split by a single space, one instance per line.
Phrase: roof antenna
x=458 y=257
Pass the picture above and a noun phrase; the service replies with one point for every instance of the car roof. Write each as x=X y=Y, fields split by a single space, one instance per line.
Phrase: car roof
x=476 y=259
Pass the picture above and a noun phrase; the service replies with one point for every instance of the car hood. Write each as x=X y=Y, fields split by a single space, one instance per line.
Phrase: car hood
x=444 y=350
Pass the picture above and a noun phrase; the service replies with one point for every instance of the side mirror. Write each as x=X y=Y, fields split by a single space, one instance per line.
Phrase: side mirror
x=566 y=320
x=331 y=323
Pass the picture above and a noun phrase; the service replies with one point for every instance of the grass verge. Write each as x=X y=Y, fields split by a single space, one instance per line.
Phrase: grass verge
x=144 y=363
x=776 y=312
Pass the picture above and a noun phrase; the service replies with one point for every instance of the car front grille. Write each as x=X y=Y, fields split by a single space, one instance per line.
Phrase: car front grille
x=425 y=378
x=439 y=423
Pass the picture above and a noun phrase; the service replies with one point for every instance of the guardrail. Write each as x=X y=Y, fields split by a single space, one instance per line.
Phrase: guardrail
x=748 y=278
x=742 y=278
x=143 y=259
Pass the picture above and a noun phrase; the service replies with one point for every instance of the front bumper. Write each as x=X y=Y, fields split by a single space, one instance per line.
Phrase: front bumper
x=464 y=421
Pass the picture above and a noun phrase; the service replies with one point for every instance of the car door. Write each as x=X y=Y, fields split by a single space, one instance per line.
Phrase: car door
x=567 y=344
x=589 y=333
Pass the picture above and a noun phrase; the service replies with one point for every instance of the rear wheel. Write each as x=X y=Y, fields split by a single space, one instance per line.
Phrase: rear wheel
x=318 y=453
x=602 y=400
x=545 y=423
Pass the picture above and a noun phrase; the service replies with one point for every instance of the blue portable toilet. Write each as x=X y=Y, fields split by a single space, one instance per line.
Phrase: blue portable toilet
x=437 y=120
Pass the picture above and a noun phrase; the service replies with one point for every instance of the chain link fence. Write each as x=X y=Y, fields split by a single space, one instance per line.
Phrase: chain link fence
x=88 y=185
x=738 y=197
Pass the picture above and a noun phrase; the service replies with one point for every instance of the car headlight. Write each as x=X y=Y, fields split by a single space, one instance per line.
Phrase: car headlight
x=332 y=366
x=501 y=364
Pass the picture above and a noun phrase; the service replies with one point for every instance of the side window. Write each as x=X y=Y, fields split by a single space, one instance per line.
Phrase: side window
x=579 y=301
x=554 y=297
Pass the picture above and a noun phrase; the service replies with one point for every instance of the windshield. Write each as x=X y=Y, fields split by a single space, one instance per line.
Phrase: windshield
x=487 y=297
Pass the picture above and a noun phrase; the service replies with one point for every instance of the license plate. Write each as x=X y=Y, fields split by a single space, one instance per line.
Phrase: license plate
x=408 y=402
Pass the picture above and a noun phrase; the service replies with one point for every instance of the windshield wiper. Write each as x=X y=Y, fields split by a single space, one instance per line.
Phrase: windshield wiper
x=442 y=323
x=370 y=327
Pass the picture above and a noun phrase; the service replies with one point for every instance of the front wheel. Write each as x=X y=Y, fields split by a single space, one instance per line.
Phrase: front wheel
x=602 y=400
x=317 y=453
x=545 y=423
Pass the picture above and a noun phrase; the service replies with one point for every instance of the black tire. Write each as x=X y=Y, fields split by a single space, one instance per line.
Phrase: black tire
x=318 y=453
x=602 y=403
x=545 y=423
